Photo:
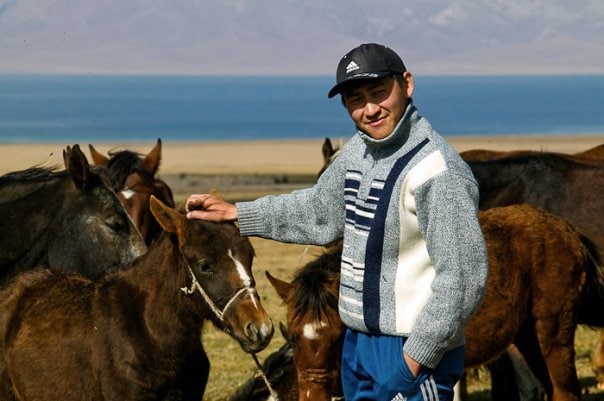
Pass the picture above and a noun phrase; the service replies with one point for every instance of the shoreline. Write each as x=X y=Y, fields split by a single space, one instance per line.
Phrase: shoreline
x=288 y=156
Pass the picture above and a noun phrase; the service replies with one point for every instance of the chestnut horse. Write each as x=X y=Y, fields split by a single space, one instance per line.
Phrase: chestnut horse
x=133 y=177
x=127 y=335
x=69 y=220
x=539 y=269
x=314 y=328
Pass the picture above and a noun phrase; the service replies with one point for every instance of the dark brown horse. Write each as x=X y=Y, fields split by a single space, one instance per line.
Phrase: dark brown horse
x=134 y=178
x=539 y=269
x=69 y=220
x=127 y=335
x=481 y=155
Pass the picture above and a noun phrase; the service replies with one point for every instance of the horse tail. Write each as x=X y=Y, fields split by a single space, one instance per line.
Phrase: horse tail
x=591 y=309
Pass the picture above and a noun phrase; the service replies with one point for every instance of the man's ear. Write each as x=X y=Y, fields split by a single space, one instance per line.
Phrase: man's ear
x=409 y=83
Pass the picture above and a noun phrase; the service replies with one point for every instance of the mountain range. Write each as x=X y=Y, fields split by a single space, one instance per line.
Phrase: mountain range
x=299 y=37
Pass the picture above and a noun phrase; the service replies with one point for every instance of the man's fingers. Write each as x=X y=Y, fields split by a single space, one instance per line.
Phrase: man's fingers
x=195 y=201
x=200 y=215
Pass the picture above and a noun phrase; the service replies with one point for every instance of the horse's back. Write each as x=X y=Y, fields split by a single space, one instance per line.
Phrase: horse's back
x=567 y=187
x=533 y=235
x=40 y=296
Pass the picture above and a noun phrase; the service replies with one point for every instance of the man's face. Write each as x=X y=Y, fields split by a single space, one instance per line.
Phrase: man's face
x=377 y=105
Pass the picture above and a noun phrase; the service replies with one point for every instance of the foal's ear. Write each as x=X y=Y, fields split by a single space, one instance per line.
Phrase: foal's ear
x=153 y=159
x=214 y=191
x=284 y=331
x=98 y=158
x=283 y=288
x=77 y=165
x=168 y=218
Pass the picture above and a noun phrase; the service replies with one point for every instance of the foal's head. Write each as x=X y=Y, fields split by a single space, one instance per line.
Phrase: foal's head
x=219 y=262
x=133 y=178
x=314 y=326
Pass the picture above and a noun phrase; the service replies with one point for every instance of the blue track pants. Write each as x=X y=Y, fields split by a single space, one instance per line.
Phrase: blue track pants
x=373 y=368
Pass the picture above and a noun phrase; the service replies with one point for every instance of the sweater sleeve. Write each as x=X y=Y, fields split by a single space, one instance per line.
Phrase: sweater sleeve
x=313 y=215
x=447 y=211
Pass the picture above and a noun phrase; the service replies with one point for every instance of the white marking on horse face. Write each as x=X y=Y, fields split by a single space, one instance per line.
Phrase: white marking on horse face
x=245 y=278
x=311 y=330
x=127 y=193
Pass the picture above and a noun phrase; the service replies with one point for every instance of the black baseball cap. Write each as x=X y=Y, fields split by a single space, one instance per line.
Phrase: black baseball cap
x=368 y=61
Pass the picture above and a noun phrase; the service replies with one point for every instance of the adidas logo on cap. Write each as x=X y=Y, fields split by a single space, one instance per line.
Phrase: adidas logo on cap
x=352 y=66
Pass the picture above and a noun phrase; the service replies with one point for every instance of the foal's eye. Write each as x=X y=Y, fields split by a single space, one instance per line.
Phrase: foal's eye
x=204 y=266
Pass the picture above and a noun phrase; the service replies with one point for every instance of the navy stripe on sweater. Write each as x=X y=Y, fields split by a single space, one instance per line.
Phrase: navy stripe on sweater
x=375 y=243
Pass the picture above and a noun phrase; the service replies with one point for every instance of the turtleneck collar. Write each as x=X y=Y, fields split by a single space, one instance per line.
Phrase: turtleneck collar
x=399 y=135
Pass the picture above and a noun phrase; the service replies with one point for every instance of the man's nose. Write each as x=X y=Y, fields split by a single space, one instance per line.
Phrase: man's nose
x=371 y=108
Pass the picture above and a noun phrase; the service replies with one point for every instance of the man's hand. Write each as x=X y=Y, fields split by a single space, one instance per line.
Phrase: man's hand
x=413 y=365
x=210 y=207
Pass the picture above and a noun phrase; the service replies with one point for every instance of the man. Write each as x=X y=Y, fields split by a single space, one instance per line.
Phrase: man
x=414 y=261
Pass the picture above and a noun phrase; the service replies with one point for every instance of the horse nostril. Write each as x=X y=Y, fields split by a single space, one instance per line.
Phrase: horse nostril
x=251 y=331
x=262 y=333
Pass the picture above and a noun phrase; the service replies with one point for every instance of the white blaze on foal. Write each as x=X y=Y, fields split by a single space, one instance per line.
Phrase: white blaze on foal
x=245 y=278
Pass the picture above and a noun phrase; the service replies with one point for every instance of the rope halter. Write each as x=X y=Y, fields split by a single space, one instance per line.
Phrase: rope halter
x=196 y=286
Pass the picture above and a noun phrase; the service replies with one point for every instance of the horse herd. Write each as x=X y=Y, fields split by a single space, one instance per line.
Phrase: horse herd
x=105 y=286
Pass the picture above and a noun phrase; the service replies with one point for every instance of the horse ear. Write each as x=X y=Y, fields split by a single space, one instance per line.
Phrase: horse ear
x=98 y=158
x=283 y=288
x=214 y=191
x=327 y=149
x=153 y=159
x=77 y=165
x=284 y=331
x=168 y=218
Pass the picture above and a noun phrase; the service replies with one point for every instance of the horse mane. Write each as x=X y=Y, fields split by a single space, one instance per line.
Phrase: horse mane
x=312 y=292
x=594 y=286
x=123 y=163
x=32 y=175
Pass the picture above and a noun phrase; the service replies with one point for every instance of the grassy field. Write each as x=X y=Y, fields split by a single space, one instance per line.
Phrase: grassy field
x=231 y=366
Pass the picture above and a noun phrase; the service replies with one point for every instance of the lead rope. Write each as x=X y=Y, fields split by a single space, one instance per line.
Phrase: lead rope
x=274 y=396
x=220 y=315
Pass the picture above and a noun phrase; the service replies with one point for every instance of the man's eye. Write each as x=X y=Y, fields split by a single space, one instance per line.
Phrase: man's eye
x=353 y=100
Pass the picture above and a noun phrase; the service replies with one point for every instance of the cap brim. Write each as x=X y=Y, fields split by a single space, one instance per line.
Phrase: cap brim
x=359 y=77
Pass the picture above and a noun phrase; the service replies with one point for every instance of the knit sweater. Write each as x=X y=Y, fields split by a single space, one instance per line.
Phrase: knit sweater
x=414 y=260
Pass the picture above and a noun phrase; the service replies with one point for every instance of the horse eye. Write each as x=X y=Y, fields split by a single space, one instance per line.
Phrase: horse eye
x=204 y=266
x=115 y=225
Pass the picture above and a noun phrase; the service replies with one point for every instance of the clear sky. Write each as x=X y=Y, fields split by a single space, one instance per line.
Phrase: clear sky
x=299 y=37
